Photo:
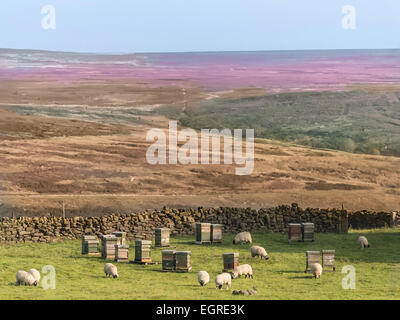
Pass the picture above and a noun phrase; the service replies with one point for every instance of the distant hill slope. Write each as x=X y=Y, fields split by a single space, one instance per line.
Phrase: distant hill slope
x=353 y=121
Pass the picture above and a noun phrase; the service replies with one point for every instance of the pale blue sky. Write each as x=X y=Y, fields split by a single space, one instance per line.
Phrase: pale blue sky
x=198 y=25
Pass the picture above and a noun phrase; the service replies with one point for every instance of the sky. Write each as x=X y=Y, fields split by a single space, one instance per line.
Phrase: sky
x=128 y=26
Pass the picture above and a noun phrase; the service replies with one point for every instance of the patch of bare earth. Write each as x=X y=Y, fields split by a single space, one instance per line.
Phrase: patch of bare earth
x=97 y=168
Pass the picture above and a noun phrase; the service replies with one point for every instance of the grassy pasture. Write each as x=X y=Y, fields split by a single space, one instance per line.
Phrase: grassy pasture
x=281 y=277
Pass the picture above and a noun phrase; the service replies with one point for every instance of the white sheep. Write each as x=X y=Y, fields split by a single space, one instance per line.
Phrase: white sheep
x=25 y=278
x=257 y=251
x=242 y=237
x=110 y=270
x=35 y=274
x=223 y=278
x=316 y=270
x=203 y=278
x=363 y=242
x=244 y=269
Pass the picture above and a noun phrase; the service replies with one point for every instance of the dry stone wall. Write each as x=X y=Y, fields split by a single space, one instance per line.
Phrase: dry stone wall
x=181 y=221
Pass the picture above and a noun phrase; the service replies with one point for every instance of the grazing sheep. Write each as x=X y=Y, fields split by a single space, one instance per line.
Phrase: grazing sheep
x=221 y=279
x=257 y=251
x=363 y=242
x=242 y=237
x=35 y=274
x=25 y=278
x=251 y=292
x=316 y=270
x=244 y=269
x=203 y=278
x=110 y=270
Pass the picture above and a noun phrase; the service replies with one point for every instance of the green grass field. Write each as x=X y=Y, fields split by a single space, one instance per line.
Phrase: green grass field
x=281 y=277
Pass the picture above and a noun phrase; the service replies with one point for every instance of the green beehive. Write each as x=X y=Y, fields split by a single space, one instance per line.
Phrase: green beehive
x=142 y=251
x=203 y=233
x=328 y=259
x=182 y=261
x=121 y=237
x=168 y=259
x=108 y=243
x=307 y=230
x=121 y=253
x=162 y=237
x=295 y=233
x=216 y=233
x=312 y=257
x=231 y=260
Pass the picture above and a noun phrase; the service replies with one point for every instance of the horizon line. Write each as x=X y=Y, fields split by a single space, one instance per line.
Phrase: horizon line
x=183 y=52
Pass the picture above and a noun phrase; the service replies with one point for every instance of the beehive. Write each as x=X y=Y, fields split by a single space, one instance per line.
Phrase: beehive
x=295 y=232
x=328 y=259
x=216 y=233
x=92 y=247
x=121 y=253
x=90 y=244
x=307 y=231
x=142 y=251
x=108 y=243
x=168 y=259
x=121 y=237
x=162 y=237
x=182 y=261
x=203 y=233
x=231 y=260
x=312 y=257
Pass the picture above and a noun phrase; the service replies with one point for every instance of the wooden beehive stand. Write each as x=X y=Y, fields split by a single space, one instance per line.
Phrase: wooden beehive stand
x=312 y=257
x=121 y=253
x=90 y=245
x=307 y=230
x=295 y=233
x=328 y=260
x=143 y=252
x=162 y=236
x=108 y=243
x=231 y=260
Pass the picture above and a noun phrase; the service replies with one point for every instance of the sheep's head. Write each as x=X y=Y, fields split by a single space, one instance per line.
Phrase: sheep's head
x=115 y=276
x=266 y=257
x=233 y=241
x=35 y=283
x=234 y=274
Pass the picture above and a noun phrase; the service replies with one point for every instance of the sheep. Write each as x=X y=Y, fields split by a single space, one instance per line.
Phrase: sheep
x=316 y=270
x=245 y=292
x=257 y=251
x=244 y=269
x=221 y=279
x=203 y=278
x=363 y=242
x=35 y=274
x=110 y=270
x=25 y=278
x=242 y=237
